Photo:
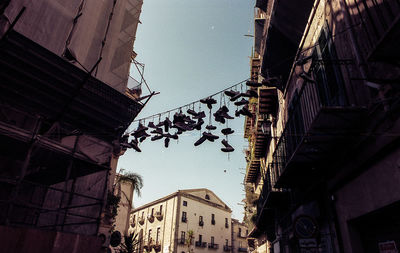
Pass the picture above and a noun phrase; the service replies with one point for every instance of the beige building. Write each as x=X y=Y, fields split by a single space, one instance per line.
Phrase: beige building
x=163 y=225
x=239 y=236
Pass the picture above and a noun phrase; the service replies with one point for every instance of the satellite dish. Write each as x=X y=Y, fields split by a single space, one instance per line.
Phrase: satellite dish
x=115 y=239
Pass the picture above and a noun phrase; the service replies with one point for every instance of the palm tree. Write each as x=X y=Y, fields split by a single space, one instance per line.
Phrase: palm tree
x=134 y=179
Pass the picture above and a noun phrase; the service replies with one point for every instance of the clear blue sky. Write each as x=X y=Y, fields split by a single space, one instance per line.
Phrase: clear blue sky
x=192 y=49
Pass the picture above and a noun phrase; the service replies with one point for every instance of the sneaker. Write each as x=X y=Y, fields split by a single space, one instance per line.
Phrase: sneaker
x=219 y=118
x=166 y=142
x=211 y=127
x=242 y=102
x=250 y=94
x=210 y=136
x=237 y=113
x=245 y=112
x=151 y=125
x=231 y=93
x=234 y=98
x=227 y=150
x=158 y=130
x=227 y=131
x=200 y=115
x=253 y=84
x=200 y=141
x=209 y=101
x=157 y=137
x=134 y=145
x=192 y=112
x=198 y=125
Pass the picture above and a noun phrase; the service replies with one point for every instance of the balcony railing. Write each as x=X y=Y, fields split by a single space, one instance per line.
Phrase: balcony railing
x=141 y=221
x=159 y=216
x=227 y=248
x=377 y=23
x=319 y=122
x=213 y=246
x=201 y=244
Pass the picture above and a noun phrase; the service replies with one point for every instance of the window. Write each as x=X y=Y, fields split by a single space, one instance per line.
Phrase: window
x=183 y=236
x=207 y=197
x=160 y=209
x=212 y=240
x=149 y=236
x=158 y=235
x=184 y=203
x=240 y=232
x=247 y=232
x=213 y=219
x=226 y=242
x=200 y=238
x=226 y=223
x=142 y=214
x=152 y=211
x=201 y=223
x=184 y=217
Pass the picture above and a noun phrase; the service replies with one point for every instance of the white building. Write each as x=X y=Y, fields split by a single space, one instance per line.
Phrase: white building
x=164 y=225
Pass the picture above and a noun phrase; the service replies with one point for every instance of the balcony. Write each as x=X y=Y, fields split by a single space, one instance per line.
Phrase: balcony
x=259 y=21
x=261 y=137
x=213 y=246
x=201 y=244
x=253 y=170
x=321 y=126
x=267 y=100
x=378 y=32
x=227 y=248
x=157 y=247
x=181 y=241
x=271 y=197
x=240 y=235
x=150 y=218
x=242 y=249
x=284 y=35
x=141 y=221
x=159 y=216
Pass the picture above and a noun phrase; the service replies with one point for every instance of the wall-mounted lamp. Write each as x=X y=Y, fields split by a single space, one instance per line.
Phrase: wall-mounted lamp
x=266 y=127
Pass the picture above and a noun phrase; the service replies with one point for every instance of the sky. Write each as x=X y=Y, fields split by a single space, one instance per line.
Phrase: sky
x=192 y=49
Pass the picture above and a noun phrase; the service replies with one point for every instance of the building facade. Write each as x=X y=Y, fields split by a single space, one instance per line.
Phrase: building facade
x=64 y=71
x=165 y=225
x=239 y=236
x=323 y=155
